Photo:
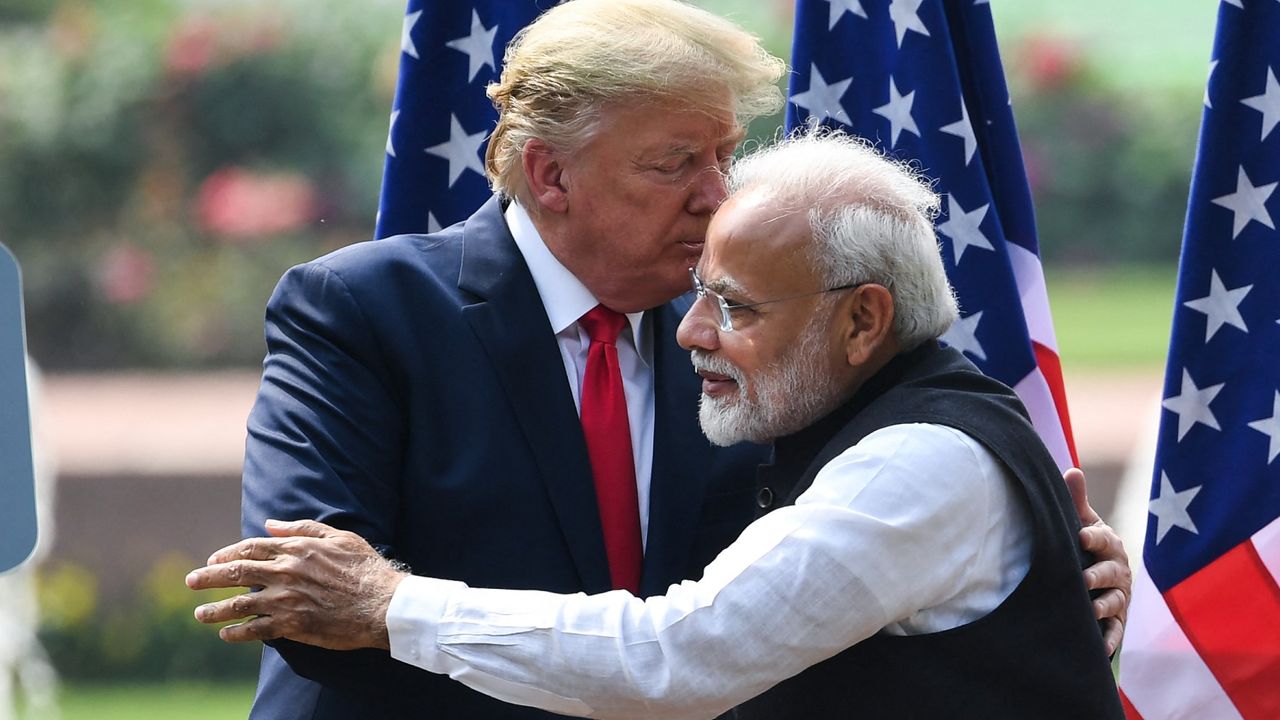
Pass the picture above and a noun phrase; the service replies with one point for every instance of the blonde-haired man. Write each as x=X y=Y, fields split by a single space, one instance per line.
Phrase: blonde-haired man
x=424 y=391
x=558 y=76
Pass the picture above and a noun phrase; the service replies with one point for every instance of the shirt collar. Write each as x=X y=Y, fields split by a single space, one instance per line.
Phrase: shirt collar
x=563 y=295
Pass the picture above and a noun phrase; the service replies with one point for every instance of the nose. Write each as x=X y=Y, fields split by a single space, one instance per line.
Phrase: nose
x=698 y=329
x=708 y=191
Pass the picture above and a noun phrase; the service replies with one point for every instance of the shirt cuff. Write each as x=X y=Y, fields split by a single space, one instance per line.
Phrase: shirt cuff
x=413 y=619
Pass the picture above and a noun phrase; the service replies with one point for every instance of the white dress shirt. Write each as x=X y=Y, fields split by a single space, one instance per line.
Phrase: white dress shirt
x=916 y=529
x=566 y=300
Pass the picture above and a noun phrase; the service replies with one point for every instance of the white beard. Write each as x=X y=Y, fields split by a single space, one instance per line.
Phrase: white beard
x=791 y=393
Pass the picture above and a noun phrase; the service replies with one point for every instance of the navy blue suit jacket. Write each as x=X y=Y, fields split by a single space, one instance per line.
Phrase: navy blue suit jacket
x=413 y=393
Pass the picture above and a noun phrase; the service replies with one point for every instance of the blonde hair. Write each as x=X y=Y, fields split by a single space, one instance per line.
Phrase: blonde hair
x=586 y=55
x=871 y=218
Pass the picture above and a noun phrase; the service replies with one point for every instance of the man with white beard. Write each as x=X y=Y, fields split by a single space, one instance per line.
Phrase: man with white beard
x=788 y=394
x=916 y=556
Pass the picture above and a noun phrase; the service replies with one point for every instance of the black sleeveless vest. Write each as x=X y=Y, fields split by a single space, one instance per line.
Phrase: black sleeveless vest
x=1038 y=655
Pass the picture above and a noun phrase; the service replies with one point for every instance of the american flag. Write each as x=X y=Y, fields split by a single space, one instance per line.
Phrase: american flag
x=921 y=77
x=440 y=120
x=923 y=80
x=1204 y=632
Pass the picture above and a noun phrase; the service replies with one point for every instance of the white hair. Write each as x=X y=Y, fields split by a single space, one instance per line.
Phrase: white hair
x=871 y=219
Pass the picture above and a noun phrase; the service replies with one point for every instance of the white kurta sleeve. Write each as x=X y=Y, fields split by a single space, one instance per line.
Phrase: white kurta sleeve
x=909 y=522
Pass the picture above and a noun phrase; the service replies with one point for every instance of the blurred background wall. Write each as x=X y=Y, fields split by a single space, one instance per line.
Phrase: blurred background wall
x=162 y=162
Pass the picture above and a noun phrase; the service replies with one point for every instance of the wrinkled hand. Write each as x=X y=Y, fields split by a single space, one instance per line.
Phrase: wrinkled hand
x=1111 y=570
x=319 y=586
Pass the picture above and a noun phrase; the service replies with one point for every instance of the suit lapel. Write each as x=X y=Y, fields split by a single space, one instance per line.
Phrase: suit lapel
x=511 y=323
x=680 y=458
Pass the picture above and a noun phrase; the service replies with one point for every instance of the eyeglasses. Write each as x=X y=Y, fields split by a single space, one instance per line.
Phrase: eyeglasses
x=727 y=308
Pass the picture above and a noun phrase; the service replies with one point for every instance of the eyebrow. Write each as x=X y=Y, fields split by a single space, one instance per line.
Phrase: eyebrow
x=735 y=137
x=675 y=150
x=725 y=284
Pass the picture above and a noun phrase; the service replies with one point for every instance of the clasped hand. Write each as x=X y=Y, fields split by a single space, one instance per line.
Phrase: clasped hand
x=317 y=585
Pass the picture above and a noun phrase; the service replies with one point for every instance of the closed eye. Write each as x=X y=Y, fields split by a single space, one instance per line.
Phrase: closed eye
x=672 y=165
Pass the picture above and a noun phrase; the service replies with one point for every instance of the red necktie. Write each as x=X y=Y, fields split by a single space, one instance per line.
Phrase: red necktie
x=608 y=435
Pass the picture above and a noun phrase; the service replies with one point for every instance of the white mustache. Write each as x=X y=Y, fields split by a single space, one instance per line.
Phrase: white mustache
x=709 y=363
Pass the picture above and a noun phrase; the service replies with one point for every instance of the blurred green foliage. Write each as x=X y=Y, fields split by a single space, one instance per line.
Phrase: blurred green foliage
x=1142 y=45
x=163 y=162
x=1109 y=167
x=155 y=638
x=1086 y=304
x=155 y=701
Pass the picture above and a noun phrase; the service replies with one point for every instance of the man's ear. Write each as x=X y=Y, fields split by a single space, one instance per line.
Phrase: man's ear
x=544 y=176
x=870 y=323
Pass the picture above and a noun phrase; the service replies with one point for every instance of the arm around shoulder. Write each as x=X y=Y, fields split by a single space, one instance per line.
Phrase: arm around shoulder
x=325 y=432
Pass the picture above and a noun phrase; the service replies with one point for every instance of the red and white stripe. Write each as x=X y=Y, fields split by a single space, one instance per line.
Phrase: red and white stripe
x=1207 y=648
x=1042 y=390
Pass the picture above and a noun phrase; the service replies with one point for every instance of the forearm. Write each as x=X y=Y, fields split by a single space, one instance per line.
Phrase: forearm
x=682 y=655
x=865 y=547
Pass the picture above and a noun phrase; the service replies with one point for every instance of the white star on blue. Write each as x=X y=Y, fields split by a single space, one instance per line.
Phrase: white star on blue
x=1221 y=439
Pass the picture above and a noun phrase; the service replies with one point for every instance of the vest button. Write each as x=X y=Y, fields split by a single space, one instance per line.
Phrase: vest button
x=764 y=498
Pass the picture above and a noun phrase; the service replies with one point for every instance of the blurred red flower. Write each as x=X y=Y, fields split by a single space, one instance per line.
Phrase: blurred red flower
x=242 y=205
x=1049 y=61
x=126 y=274
x=200 y=42
x=193 y=46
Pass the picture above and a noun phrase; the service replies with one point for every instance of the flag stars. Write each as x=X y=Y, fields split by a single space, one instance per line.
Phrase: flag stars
x=963 y=130
x=406 y=34
x=1267 y=103
x=1192 y=405
x=1248 y=202
x=433 y=225
x=905 y=15
x=1170 y=508
x=898 y=112
x=963 y=336
x=822 y=100
x=391 y=149
x=1207 y=102
x=838 y=8
x=964 y=228
x=461 y=150
x=478 y=46
x=1221 y=306
x=1271 y=428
